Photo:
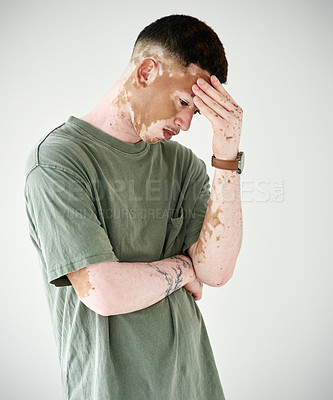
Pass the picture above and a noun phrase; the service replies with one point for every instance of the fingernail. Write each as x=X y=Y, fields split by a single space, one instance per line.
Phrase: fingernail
x=201 y=81
x=195 y=87
x=195 y=98
x=214 y=79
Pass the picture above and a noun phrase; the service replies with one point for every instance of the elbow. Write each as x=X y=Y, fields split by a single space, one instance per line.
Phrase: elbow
x=222 y=280
x=218 y=281
x=216 y=278
x=108 y=309
x=95 y=307
x=102 y=313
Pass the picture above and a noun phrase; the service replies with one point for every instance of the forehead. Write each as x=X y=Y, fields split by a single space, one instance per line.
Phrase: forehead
x=182 y=78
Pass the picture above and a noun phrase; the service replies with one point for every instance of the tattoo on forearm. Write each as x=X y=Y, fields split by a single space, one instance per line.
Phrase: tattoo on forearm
x=185 y=263
x=173 y=283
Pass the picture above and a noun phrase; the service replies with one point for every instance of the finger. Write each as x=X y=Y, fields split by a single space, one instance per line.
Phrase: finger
x=198 y=296
x=220 y=96
x=209 y=113
x=218 y=86
x=210 y=102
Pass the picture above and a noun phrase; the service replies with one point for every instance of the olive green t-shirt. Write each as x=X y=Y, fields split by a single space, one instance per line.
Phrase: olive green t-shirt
x=91 y=198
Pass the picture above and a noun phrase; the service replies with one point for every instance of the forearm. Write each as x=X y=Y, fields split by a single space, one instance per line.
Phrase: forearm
x=121 y=287
x=219 y=242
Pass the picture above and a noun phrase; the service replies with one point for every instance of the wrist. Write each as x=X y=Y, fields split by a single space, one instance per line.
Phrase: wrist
x=188 y=271
x=227 y=155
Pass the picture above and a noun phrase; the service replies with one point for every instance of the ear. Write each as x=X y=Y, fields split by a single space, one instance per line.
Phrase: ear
x=147 y=72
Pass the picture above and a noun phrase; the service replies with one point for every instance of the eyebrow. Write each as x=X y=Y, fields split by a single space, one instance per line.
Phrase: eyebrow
x=196 y=108
x=192 y=95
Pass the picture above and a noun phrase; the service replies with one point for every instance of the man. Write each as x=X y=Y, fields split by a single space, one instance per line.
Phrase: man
x=118 y=214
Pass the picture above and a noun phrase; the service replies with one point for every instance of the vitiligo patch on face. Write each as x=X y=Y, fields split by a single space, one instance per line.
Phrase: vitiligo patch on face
x=156 y=103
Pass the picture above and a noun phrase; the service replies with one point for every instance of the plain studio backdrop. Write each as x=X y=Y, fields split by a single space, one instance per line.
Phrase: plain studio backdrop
x=270 y=326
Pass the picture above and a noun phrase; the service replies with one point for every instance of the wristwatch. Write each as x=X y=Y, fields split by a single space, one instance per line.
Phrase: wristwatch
x=233 y=165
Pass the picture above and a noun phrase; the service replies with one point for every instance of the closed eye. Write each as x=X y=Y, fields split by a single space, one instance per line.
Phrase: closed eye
x=185 y=104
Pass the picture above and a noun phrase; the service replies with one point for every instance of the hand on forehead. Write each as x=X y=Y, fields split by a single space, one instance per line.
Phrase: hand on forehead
x=183 y=78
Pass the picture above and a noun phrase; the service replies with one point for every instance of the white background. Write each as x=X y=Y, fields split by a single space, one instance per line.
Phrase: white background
x=271 y=325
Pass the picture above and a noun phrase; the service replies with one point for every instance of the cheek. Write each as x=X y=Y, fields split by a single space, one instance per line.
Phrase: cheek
x=152 y=112
x=163 y=110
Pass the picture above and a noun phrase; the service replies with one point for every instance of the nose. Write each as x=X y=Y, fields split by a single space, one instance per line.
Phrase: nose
x=183 y=119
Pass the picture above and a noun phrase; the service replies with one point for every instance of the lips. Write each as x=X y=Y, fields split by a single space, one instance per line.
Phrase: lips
x=168 y=133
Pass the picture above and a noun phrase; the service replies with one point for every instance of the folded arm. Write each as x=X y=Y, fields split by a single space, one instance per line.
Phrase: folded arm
x=112 y=287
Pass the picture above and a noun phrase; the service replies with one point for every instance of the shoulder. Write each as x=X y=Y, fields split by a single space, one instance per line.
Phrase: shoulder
x=58 y=149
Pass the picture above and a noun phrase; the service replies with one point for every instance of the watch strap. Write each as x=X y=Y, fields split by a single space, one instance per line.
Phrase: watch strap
x=224 y=164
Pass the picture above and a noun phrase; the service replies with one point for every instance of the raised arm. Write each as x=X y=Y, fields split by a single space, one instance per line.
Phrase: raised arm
x=111 y=287
x=215 y=253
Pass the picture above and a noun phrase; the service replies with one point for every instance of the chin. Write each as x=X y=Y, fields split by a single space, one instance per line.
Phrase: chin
x=149 y=138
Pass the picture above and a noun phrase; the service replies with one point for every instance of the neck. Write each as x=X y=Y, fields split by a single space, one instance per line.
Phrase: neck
x=113 y=115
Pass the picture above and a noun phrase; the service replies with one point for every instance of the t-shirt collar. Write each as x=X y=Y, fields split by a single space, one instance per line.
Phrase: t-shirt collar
x=132 y=148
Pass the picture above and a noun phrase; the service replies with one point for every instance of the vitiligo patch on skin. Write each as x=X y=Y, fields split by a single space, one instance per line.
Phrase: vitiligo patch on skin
x=145 y=50
x=144 y=101
x=216 y=223
x=214 y=219
x=211 y=219
x=153 y=106
x=200 y=249
x=144 y=114
x=81 y=283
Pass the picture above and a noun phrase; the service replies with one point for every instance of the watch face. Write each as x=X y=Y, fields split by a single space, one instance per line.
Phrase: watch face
x=241 y=157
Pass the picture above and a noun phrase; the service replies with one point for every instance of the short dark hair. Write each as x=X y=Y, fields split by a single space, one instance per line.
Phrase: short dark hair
x=190 y=41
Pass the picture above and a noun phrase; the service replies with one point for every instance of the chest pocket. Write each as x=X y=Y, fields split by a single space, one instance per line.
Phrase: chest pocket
x=174 y=238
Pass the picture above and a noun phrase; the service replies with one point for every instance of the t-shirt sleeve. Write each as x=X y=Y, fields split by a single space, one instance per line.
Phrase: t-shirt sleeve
x=196 y=203
x=64 y=223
